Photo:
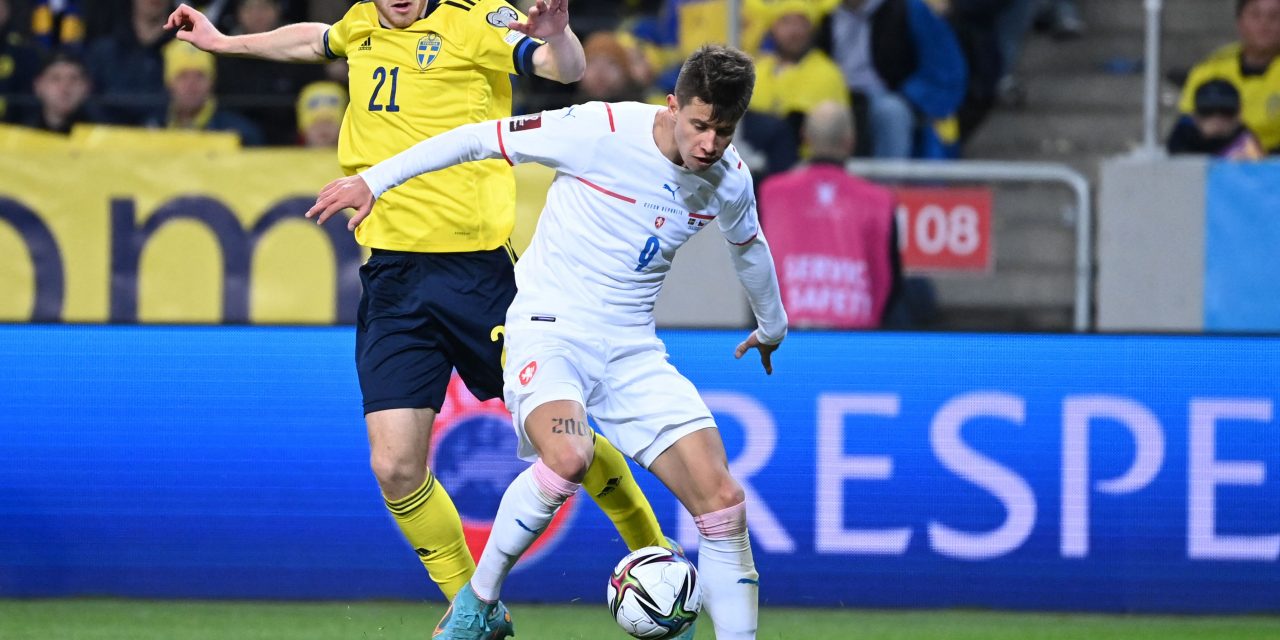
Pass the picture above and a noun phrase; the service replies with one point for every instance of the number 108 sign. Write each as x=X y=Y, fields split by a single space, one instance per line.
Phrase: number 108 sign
x=942 y=229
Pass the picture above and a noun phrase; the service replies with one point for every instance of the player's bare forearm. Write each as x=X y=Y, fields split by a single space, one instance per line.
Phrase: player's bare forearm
x=301 y=42
x=561 y=59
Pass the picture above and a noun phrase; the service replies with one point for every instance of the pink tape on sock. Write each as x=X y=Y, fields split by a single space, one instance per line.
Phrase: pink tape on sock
x=552 y=486
x=725 y=523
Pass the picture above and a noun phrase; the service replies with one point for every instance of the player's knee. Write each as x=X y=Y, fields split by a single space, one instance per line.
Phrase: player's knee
x=728 y=493
x=397 y=475
x=570 y=463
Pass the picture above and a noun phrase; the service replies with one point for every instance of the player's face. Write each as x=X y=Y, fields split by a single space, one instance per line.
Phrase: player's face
x=700 y=139
x=399 y=14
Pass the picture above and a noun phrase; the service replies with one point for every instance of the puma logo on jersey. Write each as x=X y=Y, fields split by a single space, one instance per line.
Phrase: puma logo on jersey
x=670 y=188
x=367 y=45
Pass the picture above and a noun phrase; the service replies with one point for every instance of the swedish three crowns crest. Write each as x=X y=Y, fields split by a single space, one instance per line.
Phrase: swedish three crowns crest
x=428 y=49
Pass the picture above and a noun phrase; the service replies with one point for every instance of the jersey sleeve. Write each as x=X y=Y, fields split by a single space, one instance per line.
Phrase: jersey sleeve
x=335 y=38
x=496 y=47
x=738 y=219
x=560 y=139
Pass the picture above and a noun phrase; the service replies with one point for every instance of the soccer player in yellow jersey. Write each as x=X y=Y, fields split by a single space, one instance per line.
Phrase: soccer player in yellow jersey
x=440 y=278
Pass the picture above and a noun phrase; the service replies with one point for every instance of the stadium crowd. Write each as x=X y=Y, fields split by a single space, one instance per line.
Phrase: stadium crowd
x=919 y=75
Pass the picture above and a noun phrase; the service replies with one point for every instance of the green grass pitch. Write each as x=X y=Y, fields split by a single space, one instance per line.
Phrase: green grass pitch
x=183 y=620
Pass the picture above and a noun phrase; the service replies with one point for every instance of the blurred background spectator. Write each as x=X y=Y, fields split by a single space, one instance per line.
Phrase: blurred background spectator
x=62 y=89
x=320 y=108
x=57 y=25
x=1215 y=127
x=19 y=63
x=832 y=234
x=1249 y=65
x=794 y=76
x=189 y=76
x=262 y=90
x=610 y=73
x=126 y=65
x=905 y=71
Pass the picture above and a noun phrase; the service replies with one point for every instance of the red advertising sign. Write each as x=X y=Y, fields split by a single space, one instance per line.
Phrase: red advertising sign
x=941 y=229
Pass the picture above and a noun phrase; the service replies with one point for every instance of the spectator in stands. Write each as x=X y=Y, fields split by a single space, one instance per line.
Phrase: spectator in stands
x=19 y=63
x=795 y=76
x=262 y=90
x=127 y=67
x=684 y=25
x=1215 y=128
x=906 y=71
x=1251 y=66
x=320 y=108
x=57 y=25
x=189 y=75
x=62 y=89
x=832 y=234
x=609 y=73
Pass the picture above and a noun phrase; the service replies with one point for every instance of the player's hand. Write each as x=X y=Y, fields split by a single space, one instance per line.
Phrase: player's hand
x=193 y=27
x=766 y=351
x=344 y=193
x=547 y=18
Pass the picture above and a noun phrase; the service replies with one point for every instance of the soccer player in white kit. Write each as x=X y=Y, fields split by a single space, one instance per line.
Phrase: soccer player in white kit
x=633 y=182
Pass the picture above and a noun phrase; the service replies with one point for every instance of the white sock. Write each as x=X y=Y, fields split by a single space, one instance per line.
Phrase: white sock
x=526 y=509
x=727 y=573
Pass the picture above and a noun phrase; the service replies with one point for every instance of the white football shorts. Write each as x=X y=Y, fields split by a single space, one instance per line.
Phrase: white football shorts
x=637 y=399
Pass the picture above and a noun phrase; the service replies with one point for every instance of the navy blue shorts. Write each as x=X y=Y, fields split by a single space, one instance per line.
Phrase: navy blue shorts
x=424 y=314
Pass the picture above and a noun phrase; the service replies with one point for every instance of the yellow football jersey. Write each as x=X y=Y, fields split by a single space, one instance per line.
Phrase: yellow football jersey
x=448 y=69
x=1259 y=94
x=797 y=88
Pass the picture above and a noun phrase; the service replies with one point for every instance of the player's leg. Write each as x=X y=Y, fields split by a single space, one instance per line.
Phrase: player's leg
x=545 y=397
x=696 y=470
x=403 y=377
x=656 y=416
x=478 y=331
x=426 y=515
x=559 y=432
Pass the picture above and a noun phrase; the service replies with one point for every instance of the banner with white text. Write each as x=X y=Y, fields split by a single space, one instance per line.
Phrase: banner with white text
x=1103 y=473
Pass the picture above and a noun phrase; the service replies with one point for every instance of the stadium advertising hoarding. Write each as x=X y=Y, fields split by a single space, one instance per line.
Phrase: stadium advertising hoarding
x=1242 y=231
x=1120 y=473
x=203 y=237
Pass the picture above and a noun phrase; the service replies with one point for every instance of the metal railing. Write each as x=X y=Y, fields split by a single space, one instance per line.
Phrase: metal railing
x=1151 y=79
x=1010 y=172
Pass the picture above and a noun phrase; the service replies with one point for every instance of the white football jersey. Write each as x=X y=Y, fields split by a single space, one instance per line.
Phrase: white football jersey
x=616 y=212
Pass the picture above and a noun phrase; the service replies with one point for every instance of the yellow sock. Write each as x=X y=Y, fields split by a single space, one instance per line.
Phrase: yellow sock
x=611 y=485
x=431 y=524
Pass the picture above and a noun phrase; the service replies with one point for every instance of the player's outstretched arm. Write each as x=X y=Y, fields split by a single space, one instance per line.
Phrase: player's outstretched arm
x=562 y=59
x=478 y=141
x=302 y=42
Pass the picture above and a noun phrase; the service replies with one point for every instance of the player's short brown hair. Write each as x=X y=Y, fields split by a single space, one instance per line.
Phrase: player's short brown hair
x=720 y=76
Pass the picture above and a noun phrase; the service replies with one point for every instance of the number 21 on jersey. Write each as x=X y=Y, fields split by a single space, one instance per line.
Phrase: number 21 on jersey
x=380 y=74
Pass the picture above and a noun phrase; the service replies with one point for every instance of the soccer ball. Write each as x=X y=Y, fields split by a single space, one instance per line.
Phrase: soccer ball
x=654 y=594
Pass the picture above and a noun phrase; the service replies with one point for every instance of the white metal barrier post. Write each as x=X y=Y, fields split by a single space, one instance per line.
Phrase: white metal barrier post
x=1015 y=172
x=1151 y=79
